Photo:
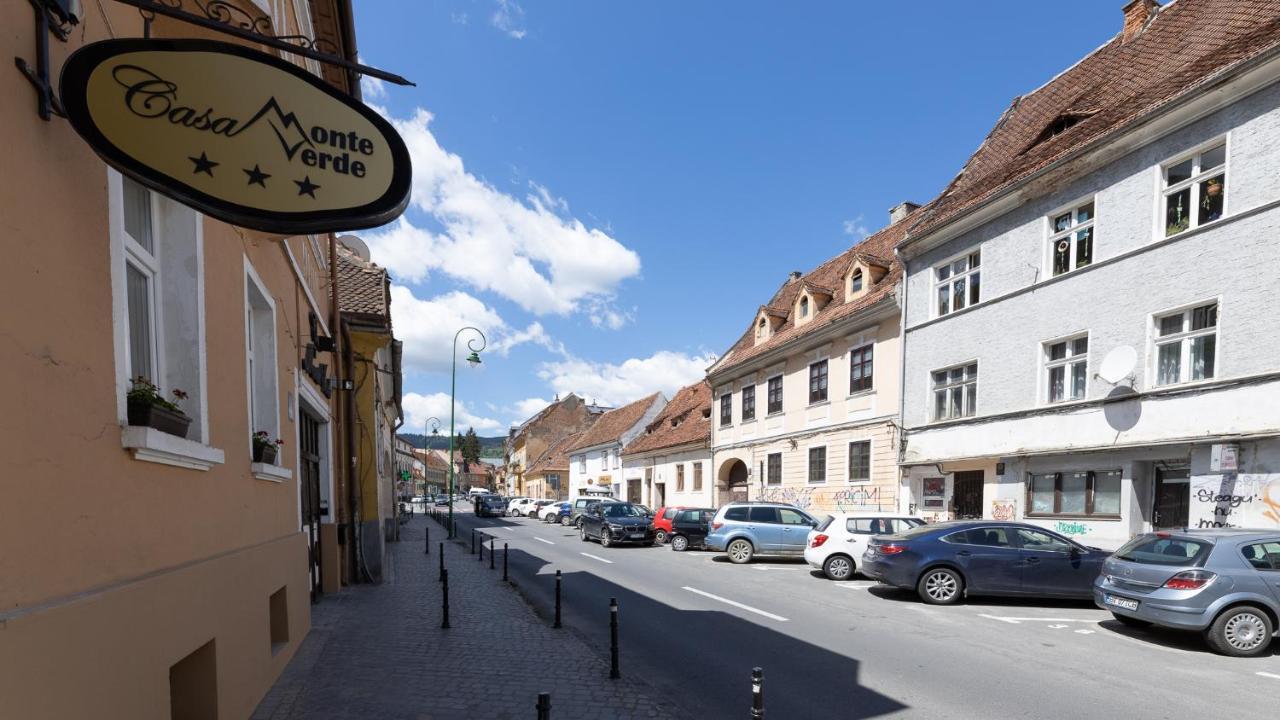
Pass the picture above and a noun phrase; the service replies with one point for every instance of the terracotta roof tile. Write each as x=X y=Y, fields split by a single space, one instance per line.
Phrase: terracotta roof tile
x=686 y=419
x=1185 y=47
x=614 y=423
x=363 y=288
x=556 y=457
x=829 y=274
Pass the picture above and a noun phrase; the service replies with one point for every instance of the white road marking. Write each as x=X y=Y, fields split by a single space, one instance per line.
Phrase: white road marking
x=1084 y=632
x=1018 y=620
x=734 y=603
x=1273 y=676
x=850 y=586
x=545 y=541
x=597 y=557
x=1058 y=626
x=508 y=528
x=1011 y=621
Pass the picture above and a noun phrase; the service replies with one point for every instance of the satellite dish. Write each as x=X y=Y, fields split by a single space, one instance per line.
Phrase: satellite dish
x=355 y=245
x=1118 y=364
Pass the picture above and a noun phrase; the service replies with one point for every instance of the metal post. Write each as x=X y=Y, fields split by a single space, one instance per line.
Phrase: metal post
x=757 y=694
x=544 y=706
x=557 y=622
x=490 y=553
x=473 y=541
x=613 y=639
x=480 y=557
x=445 y=595
x=441 y=562
x=426 y=540
x=504 y=562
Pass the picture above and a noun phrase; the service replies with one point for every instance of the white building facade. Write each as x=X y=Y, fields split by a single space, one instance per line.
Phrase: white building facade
x=1093 y=348
x=595 y=461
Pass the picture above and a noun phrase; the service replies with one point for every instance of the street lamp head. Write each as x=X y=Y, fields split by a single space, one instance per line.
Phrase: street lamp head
x=473 y=359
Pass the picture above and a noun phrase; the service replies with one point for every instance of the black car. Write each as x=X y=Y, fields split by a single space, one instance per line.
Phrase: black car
x=490 y=505
x=689 y=528
x=615 y=522
x=944 y=562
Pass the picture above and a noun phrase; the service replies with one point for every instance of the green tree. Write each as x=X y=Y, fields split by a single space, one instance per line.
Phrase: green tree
x=471 y=447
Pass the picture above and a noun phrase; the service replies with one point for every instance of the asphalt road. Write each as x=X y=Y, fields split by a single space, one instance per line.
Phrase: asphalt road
x=692 y=625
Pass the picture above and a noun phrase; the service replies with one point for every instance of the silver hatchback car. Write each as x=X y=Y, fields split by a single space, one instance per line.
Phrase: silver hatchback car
x=1223 y=583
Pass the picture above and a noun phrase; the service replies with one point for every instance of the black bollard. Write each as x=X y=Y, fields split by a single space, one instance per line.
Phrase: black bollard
x=426 y=540
x=442 y=562
x=557 y=622
x=613 y=639
x=473 y=543
x=544 y=706
x=490 y=553
x=480 y=557
x=757 y=694
x=504 y=562
x=445 y=623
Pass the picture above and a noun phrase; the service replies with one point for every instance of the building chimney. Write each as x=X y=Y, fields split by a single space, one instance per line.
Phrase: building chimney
x=901 y=210
x=1136 y=15
x=795 y=275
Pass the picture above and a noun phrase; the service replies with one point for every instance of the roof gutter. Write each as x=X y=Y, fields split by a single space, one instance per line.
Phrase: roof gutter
x=1254 y=75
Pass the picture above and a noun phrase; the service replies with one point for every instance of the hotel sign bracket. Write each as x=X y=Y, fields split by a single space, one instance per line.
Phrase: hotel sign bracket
x=58 y=17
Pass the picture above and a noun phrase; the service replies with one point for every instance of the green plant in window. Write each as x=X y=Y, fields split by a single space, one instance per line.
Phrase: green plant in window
x=143 y=393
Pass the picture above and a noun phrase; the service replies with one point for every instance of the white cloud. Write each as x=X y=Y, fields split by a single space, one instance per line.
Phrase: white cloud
x=604 y=315
x=529 y=251
x=856 y=227
x=427 y=328
x=418 y=408
x=630 y=380
x=524 y=409
x=509 y=18
x=372 y=88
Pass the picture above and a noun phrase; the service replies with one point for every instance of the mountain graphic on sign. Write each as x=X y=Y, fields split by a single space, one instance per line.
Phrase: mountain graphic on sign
x=291 y=134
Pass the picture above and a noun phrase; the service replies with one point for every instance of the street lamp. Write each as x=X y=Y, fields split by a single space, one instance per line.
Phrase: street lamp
x=473 y=360
x=434 y=422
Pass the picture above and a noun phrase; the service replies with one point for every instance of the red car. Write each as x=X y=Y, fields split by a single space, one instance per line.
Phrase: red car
x=662 y=521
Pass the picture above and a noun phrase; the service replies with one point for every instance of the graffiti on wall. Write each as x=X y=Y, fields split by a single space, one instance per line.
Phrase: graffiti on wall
x=1231 y=500
x=828 y=499
x=1004 y=509
x=1071 y=528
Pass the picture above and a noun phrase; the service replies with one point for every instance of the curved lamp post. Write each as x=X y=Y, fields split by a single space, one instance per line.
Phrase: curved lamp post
x=434 y=423
x=473 y=360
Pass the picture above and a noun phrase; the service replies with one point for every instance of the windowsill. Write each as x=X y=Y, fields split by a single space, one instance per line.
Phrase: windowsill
x=748 y=421
x=1102 y=518
x=150 y=445
x=725 y=425
x=270 y=473
x=858 y=482
x=774 y=414
x=819 y=404
x=861 y=393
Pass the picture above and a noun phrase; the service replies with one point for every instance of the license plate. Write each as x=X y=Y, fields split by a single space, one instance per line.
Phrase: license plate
x=1120 y=602
x=637 y=536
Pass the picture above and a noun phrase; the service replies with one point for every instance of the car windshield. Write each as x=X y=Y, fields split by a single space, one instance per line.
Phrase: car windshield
x=914 y=532
x=620 y=510
x=1162 y=550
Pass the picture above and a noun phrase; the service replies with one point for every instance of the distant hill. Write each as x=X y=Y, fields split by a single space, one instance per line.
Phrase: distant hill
x=490 y=447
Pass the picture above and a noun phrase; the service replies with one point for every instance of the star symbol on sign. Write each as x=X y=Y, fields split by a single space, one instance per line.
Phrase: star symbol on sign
x=203 y=164
x=256 y=176
x=306 y=187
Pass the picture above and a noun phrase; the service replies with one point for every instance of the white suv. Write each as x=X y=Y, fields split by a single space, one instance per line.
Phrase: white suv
x=842 y=537
x=518 y=506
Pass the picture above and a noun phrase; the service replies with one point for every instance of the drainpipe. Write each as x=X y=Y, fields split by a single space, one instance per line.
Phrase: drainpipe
x=902 y=374
x=353 y=490
x=342 y=450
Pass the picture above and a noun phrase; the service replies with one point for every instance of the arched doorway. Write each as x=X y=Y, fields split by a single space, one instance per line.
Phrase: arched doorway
x=732 y=482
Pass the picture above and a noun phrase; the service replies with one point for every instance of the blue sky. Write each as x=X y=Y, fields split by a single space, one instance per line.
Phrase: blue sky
x=610 y=189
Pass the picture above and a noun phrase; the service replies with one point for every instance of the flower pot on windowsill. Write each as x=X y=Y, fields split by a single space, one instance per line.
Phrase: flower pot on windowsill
x=173 y=422
x=265 y=454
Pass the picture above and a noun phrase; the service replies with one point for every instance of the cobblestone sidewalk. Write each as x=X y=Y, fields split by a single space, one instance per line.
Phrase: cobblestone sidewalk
x=377 y=651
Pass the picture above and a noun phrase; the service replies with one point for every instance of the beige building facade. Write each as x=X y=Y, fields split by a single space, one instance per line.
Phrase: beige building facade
x=152 y=573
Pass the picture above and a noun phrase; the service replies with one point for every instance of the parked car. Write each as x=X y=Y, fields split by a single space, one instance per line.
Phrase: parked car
x=518 y=506
x=690 y=527
x=536 y=507
x=835 y=546
x=644 y=510
x=554 y=511
x=743 y=530
x=947 y=561
x=583 y=503
x=615 y=522
x=662 y=521
x=1222 y=583
x=443 y=500
x=490 y=505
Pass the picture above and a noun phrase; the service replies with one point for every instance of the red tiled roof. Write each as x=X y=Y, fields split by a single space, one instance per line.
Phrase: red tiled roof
x=363 y=288
x=829 y=274
x=1186 y=46
x=690 y=411
x=556 y=457
x=614 y=423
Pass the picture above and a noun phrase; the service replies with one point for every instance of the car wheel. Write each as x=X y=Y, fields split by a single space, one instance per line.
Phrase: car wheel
x=1243 y=631
x=838 y=567
x=565 y=521
x=679 y=543
x=740 y=551
x=660 y=536
x=582 y=533
x=606 y=540
x=1132 y=622
x=940 y=586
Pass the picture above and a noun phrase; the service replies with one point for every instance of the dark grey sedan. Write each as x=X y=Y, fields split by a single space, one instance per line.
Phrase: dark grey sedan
x=1222 y=583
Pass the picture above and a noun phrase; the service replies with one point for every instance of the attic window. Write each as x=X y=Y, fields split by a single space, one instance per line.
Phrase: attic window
x=761 y=328
x=855 y=282
x=1060 y=124
x=804 y=306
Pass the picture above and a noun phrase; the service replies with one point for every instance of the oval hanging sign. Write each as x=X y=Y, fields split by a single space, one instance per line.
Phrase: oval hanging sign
x=240 y=135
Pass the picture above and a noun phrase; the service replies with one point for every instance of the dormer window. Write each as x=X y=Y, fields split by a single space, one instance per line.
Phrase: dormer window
x=855 y=282
x=762 y=329
x=804 y=306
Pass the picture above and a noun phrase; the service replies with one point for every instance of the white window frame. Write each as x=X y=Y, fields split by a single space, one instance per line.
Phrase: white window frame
x=254 y=356
x=1069 y=235
x=1163 y=190
x=932 y=389
x=1046 y=365
x=826 y=362
x=582 y=463
x=147 y=263
x=1155 y=341
x=870 y=462
x=808 y=463
x=950 y=280
x=849 y=376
